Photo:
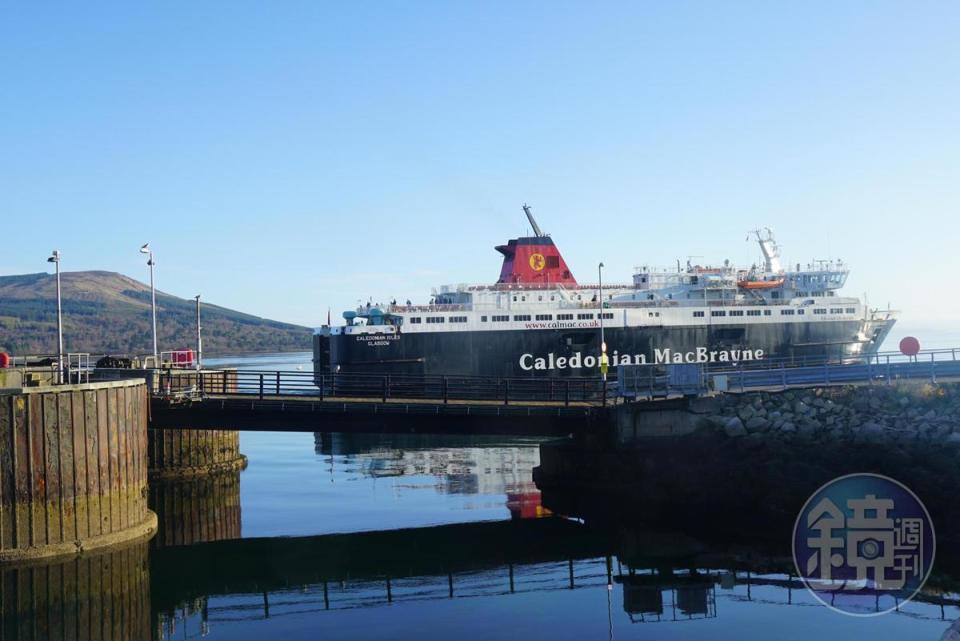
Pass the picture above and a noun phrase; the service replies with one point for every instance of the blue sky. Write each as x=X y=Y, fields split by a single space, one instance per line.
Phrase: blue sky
x=286 y=157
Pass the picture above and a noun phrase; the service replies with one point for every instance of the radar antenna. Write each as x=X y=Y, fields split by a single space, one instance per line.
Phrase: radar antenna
x=533 y=223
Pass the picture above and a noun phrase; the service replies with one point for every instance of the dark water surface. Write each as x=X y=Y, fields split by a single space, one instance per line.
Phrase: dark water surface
x=500 y=573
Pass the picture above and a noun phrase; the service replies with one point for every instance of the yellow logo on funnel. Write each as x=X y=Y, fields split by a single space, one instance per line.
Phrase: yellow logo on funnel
x=537 y=262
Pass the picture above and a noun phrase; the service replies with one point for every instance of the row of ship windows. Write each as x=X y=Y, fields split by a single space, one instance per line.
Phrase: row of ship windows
x=415 y=320
x=783 y=312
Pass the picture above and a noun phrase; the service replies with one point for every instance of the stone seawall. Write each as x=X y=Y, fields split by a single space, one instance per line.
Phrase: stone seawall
x=905 y=414
x=754 y=458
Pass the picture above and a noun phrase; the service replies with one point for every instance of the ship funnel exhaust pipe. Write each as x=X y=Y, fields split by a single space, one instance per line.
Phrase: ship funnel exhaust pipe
x=533 y=223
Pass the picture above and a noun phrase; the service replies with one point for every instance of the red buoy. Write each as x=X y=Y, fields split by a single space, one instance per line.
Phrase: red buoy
x=4 y=360
x=909 y=346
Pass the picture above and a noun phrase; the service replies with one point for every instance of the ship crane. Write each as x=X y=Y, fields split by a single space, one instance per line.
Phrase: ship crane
x=533 y=223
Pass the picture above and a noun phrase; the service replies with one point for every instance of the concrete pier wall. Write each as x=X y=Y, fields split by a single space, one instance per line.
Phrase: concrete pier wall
x=73 y=468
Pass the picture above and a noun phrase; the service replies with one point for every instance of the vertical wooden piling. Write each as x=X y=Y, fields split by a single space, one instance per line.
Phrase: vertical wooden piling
x=73 y=473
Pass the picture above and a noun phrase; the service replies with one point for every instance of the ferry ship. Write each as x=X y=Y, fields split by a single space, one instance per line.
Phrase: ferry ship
x=537 y=320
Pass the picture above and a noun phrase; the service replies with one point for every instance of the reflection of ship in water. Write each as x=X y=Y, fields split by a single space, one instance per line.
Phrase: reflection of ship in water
x=474 y=465
x=659 y=595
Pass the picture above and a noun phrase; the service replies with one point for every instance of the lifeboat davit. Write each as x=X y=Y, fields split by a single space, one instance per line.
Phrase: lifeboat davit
x=759 y=284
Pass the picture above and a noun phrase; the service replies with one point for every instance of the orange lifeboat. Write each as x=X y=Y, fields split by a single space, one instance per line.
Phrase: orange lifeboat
x=759 y=284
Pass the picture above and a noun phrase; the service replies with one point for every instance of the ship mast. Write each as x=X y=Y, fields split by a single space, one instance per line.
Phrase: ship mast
x=533 y=223
x=771 y=252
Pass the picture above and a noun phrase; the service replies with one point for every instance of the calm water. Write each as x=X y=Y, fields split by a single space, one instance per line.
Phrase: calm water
x=418 y=537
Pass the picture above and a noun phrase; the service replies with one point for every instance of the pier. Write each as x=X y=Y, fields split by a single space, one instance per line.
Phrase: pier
x=301 y=401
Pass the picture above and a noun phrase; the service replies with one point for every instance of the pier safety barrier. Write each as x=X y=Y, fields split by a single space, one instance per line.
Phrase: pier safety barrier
x=653 y=381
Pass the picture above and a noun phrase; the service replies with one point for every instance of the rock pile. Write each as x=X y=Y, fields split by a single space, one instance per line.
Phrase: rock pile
x=904 y=413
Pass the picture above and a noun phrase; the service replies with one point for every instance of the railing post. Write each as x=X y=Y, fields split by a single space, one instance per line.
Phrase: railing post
x=386 y=387
x=278 y=382
x=223 y=380
x=321 y=387
x=446 y=389
x=603 y=393
x=506 y=391
x=783 y=375
x=566 y=392
x=200 y=382
x=261 y=387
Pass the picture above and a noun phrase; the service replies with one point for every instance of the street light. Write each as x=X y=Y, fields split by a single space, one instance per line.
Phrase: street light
x=55 y=258
x=153 y=301
x=199 y=341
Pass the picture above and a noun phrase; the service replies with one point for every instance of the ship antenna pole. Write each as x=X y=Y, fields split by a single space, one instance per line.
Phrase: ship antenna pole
x=603 y=342
x=533 y=223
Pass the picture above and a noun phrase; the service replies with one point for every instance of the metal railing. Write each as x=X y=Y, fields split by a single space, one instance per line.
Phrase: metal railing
x=652 y=381
x=385 y=388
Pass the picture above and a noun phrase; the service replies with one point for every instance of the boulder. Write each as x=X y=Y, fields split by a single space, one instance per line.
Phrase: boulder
x=757 y=424
x=734 y=427
x=870 y=433
x=952 y=440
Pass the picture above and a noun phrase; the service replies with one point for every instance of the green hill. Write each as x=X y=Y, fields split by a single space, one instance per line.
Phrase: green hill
x=106 y=312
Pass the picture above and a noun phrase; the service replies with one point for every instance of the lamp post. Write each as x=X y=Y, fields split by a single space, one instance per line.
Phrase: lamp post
x=153 y=301
x=199 y=340
x=55 y=259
